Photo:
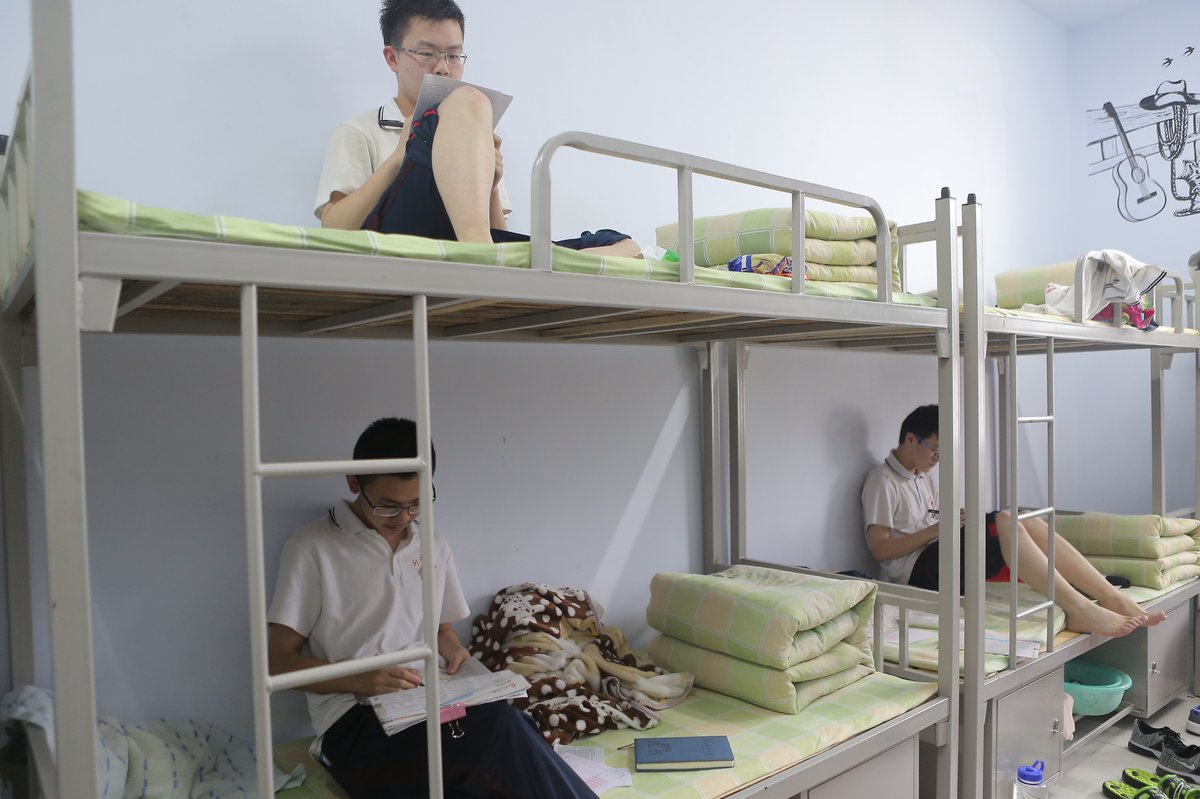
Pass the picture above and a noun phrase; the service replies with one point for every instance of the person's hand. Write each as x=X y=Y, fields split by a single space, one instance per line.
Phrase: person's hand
x=388 y=680
x=456 y=659
x=499 y=162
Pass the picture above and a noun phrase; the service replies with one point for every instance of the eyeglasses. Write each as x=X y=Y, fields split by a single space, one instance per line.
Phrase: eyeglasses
x=429 y=57
x=925 y=444
x=392 y=511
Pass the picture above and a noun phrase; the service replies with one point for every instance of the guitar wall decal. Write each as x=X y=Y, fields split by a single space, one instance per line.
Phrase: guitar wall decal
x=1148 y=199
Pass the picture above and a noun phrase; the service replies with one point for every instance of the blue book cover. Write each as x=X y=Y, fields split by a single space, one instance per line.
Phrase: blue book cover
x=682 y=753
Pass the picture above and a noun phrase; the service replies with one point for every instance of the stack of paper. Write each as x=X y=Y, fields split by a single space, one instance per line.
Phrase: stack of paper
x=473 y=684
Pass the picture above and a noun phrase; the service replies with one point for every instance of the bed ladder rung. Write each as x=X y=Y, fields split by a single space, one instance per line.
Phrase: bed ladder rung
x=1038 y=608
x=325 y=468
x=1033 y=514
x=344 y=668
x=1034 y=419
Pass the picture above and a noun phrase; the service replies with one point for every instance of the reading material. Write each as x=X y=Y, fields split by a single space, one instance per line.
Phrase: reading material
x=435 y=88
x=682 y=753
x=472 y=685
x=588 y=763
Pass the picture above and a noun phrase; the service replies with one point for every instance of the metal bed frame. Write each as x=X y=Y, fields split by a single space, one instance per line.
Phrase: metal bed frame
x=1001 y=338
x=88 y=282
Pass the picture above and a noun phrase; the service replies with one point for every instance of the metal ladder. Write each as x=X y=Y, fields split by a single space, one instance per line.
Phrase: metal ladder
x=256 y=471
x=1012 y=422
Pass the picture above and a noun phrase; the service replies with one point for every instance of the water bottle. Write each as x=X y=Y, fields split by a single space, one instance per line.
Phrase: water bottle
x=1029 y=784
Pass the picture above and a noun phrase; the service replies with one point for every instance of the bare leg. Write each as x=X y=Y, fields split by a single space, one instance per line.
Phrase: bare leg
x=1083 y=616
x=464 y=162
x=625 y=247
x=1071 y=564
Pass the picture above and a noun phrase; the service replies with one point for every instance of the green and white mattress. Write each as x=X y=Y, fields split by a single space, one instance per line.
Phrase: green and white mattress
x=106 y=214
x=764 y=743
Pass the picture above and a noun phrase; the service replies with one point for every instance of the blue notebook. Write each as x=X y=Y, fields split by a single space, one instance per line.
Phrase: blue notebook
x=682 y=753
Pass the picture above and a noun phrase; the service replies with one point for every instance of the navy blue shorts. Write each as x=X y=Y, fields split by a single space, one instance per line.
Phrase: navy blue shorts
x=925 y=573
x=413 y=205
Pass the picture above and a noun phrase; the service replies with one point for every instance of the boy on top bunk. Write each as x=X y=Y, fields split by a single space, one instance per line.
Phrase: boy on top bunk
x=440 y=176
x=900 y=510
x=349 y=586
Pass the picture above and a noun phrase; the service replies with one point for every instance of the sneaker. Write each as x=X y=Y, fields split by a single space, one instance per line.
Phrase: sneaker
x=1180 y=759
x=1147 y=740
x=1193 y=722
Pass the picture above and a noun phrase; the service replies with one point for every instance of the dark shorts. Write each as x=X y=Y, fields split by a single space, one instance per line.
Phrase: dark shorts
x=501 y=755
x=925 y=570
x=413 y=204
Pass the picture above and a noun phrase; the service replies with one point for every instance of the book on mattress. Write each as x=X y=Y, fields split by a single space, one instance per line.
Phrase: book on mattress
x=682 y=753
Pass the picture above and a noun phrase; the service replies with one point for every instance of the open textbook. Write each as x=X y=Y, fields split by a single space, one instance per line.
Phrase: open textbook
x=473 y=684
x=435 y=88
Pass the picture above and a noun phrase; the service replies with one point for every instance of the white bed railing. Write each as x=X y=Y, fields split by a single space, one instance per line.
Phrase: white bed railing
x=686 y=166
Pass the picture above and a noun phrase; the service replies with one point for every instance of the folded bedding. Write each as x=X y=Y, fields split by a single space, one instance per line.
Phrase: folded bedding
x=766 y=616
x=105 y=214
x=831 y=240
x=583 y=676
x=1150 y=572
x=1137 y=536
x=782 y=690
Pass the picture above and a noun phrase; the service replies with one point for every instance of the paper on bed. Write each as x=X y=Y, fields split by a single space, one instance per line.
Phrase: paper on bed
x=435 y=88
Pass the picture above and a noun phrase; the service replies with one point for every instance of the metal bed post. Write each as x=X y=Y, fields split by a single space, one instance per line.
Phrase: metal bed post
x=16 y=519
x=56 y=277
x=736 y=354
x=950 y=485
x=711 y=484
x=252 y=475
x=1160 y=361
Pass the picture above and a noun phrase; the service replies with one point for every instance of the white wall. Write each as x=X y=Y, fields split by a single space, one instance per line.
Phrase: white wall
x=568 y=464
x=1104 y=399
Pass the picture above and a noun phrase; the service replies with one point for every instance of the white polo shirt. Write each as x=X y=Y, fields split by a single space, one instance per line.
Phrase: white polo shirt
x=894 y=497
x=341 y=587
x=357 y=148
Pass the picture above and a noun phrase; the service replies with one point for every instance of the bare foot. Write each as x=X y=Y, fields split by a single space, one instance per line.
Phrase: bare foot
x=1095 y=619
x=1125 y=606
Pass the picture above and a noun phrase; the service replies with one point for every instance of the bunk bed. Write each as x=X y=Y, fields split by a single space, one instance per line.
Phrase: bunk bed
x=58 y=285
x=1012 y=706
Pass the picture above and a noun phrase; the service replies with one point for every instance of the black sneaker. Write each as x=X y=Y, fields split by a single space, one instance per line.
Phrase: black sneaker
x=1147 y=740
x=1179 y=759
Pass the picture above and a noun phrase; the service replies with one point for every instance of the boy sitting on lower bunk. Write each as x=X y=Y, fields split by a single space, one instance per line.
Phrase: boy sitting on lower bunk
x=900 y=510
x=386 y=171
x=349 y=586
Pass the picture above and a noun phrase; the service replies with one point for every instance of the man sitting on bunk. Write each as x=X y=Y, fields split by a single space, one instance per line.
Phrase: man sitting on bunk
x=900 y=509
x=386 y=171
x=349 y=586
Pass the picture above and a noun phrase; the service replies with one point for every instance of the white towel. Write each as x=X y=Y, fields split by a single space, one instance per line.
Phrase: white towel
x=1108 y=276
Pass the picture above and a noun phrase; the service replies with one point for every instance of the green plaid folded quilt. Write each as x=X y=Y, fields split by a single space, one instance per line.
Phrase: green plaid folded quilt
x=782 y=690
x=1020 y=286
x=766 y=616
x=829 y=239
x=1142 y=536
x=1150 y=573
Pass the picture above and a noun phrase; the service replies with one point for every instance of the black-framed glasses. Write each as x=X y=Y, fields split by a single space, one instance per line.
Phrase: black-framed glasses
x=392 y=511
x=429 y=57
x=389 y=124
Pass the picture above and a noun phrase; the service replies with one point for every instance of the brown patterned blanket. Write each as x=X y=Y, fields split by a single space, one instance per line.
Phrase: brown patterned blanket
x=583 y=676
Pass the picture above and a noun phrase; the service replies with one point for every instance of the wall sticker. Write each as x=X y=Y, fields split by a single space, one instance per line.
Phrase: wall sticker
x=1149 y=148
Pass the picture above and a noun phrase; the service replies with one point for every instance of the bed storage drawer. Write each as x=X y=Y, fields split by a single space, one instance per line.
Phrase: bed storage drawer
x=892 y=774
x=1026 y=727
x=1159 y=659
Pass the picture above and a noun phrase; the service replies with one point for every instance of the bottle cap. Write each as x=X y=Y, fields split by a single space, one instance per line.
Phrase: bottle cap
x=1031 y=774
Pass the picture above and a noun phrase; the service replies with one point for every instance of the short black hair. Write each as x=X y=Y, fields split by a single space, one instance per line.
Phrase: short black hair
x=395 y=16
x=923 y=423
x=390 y=437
